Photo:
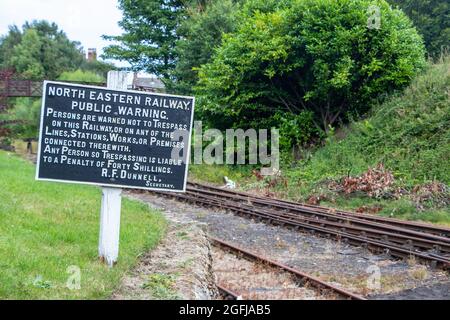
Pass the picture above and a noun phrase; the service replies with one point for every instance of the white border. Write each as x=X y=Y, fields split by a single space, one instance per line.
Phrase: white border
x=44 y=92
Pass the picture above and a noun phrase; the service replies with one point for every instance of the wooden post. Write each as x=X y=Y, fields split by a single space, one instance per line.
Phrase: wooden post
x=108 y=247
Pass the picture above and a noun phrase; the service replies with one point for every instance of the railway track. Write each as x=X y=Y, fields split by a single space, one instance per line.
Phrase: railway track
x=425 y=242
x=227 y=294
x=278 y=203
x=324 y=289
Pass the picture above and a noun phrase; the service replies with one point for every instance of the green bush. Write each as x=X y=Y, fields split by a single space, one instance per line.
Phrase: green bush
x=319 y=56
x=23 y=118
x=432 y=19
x=295 y=130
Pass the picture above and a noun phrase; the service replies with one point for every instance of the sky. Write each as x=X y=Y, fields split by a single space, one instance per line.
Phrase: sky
x=82 y=20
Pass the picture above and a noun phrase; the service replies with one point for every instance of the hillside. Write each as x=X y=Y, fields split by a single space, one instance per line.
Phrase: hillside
x=408 y=134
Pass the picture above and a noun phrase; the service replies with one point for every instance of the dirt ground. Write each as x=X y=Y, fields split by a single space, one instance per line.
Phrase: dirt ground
x=179 y=268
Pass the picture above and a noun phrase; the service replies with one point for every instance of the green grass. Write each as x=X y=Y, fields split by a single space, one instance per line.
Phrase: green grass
x=47 y=227
x=161 y=286
x=409 y=133
x=216 y=173
x=401 y=209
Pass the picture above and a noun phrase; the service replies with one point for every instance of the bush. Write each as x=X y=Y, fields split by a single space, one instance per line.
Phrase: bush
x=295 y=130
x=319 y=56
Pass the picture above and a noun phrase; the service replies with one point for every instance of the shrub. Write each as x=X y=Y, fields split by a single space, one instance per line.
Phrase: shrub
x=319 y=56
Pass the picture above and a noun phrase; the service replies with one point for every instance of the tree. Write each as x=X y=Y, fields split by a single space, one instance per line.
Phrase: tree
x=432 y=19
x=7 y=44
x=150 y=34
x=25 y=58
x=323 y=56
x=23 y=119
x=81 y=76
x=200 y=34
x=100 y=68
x=41 y=50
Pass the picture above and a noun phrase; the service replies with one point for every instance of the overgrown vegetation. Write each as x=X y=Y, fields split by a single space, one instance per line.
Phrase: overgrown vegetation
x=321 y=57
x=48 y=230
x=82 y=76
x=299 y=65
x=314 y=69
x=409 y=134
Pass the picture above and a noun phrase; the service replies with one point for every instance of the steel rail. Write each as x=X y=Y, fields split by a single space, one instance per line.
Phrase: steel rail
x=371 y=244
x=398 y=238
x=417 y=226
x=227 y=293
x=314 y=281
x=363 y=225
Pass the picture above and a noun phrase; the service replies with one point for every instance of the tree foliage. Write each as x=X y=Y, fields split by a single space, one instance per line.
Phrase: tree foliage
x=150 y=35
x=7 y=44
x=41 y=50
x=23 y=119
x=81 y=76
x=432 y=19
x=25 y=58
x=100 y=68
x=308 y=55
x=200 y=34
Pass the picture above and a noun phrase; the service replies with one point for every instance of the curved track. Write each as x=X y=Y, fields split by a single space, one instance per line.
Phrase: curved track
x=305 y=278
x=400 y=239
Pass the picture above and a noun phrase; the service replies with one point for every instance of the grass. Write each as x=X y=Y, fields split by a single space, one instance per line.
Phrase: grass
x=216 y=173
x=48 y=231
x=162 y=286
x=409 y=133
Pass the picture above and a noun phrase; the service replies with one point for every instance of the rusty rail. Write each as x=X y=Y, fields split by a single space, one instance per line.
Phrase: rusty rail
x=379 y=237
x=314 y=281
x=227 y=293
x=277 y=203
